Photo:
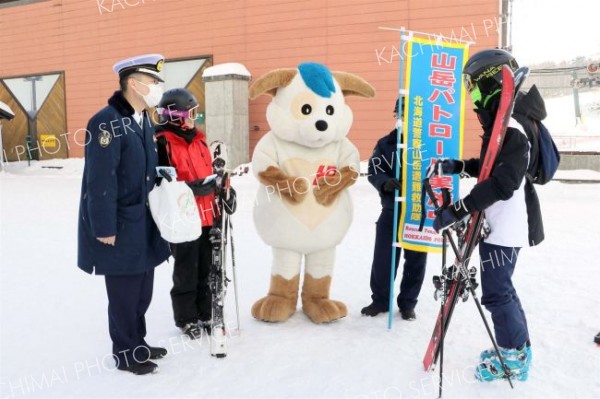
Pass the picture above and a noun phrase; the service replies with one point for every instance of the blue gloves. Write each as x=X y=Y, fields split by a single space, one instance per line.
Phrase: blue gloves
x=447 y=217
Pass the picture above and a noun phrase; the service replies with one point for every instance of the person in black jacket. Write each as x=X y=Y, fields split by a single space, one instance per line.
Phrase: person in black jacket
x=382 y=177
x=511 y=209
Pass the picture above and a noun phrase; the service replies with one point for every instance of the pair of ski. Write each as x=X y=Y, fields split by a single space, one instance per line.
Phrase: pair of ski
x=220 y=237
x=457 y=281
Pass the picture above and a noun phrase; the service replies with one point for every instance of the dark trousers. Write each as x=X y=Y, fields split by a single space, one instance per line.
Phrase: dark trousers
x=413 y=272
x=128 y=300
x=499 y=295
x=190 y=295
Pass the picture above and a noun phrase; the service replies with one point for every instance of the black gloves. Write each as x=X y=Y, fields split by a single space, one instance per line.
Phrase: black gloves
x=200 y=188
x=230 y=204
x=391 y=184
x=447 y=167
x=447 y=217
x=162 y=174
x=166 y=175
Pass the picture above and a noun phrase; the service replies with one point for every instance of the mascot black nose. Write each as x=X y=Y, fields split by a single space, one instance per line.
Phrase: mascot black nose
x=321 y=126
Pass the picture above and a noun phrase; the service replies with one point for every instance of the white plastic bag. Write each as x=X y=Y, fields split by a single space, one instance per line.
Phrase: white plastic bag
x=175 y=212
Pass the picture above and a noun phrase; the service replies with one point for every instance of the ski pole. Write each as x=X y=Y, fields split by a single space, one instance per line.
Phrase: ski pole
x=235 y=290
x=446 y=203
x=464 y=272
x=442 y=303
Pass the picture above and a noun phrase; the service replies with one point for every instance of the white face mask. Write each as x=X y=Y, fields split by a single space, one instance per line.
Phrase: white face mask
x=155 y=93
x=399 y=125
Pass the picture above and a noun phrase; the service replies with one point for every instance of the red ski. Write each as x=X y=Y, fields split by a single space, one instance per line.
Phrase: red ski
x=473 y=231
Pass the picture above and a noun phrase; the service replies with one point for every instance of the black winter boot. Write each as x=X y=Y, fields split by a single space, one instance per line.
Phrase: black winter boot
x=408 y=314
x=372 y=310
x=141 y=368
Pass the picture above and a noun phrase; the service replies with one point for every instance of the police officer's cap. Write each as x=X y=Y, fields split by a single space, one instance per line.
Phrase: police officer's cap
x=149 y=64
x=397 y=103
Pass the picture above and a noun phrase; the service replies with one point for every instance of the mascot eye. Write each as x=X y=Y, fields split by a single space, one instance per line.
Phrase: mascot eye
x=329 y=110
x=306 y=109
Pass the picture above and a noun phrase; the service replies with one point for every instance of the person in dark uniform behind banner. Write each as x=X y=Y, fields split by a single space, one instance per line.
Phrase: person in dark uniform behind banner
x=382 y=174
x=117 y=237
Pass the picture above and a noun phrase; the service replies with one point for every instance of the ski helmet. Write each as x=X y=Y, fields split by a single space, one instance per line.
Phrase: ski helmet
x=483 y=74
x=176 y=105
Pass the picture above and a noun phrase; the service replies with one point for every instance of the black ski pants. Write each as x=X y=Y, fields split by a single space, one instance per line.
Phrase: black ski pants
x=190 y=295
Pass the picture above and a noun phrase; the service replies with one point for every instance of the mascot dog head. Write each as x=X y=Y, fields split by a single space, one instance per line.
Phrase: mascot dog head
x=308 y=106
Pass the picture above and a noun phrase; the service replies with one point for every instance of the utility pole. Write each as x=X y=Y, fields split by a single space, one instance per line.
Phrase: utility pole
x=576 y=98
x=506 y=23
x=32 y=131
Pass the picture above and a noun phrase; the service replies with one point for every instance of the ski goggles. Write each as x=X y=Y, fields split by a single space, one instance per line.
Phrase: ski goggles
x=484 y=84
x=470 y=85
x=192 y=113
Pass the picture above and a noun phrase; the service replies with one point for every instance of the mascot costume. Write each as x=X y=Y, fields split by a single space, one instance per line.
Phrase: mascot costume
x=304 y=165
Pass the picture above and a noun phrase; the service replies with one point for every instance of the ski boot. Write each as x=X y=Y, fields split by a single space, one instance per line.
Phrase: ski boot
x=517 y=362
x=192 y=330
x=491 y=353
x=205 y=325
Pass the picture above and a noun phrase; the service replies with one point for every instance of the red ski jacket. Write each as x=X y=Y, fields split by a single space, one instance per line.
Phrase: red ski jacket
x=192 y=161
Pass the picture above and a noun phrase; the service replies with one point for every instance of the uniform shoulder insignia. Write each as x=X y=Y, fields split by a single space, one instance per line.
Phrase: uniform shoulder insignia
x=104 y=139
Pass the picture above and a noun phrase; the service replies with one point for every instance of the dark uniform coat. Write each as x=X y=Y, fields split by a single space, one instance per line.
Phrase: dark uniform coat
x=120 y=171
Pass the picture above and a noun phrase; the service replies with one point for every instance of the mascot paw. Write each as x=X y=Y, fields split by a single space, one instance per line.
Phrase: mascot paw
x=298 y=192
x=273 y=308
x=289 y=188
x=328 y=188
x=324 y=310
x=324 y=197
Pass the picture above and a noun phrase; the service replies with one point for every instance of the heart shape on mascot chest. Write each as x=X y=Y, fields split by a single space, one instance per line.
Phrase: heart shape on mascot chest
x=309 y=212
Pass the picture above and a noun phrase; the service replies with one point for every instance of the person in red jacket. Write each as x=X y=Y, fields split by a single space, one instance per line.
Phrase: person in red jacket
x=181 y=145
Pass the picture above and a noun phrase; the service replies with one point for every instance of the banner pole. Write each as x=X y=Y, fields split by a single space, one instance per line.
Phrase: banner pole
x=398 y=159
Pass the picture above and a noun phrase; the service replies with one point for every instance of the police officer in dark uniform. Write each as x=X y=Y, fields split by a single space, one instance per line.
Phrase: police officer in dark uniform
x=117 y=235
x=382 y=174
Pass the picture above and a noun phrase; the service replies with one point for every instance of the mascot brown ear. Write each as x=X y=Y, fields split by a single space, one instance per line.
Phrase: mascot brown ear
x=353 y=85
x=271 y=81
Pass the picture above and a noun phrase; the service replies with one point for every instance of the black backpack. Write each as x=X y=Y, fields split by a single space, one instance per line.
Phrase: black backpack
x=545 y=158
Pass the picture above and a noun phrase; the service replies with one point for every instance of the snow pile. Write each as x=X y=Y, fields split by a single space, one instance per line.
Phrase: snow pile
x=230 y=68
x=54 y=339
x=5 y=111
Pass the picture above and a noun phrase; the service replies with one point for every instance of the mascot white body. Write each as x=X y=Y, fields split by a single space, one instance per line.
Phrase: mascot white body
x=305 y=163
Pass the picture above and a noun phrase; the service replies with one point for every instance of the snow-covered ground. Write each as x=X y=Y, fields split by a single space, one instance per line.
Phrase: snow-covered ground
x=569 y=133
x=577 y=174
x=55 y=343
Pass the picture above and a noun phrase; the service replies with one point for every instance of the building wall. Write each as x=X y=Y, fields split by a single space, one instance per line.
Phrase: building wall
x=85 y=38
